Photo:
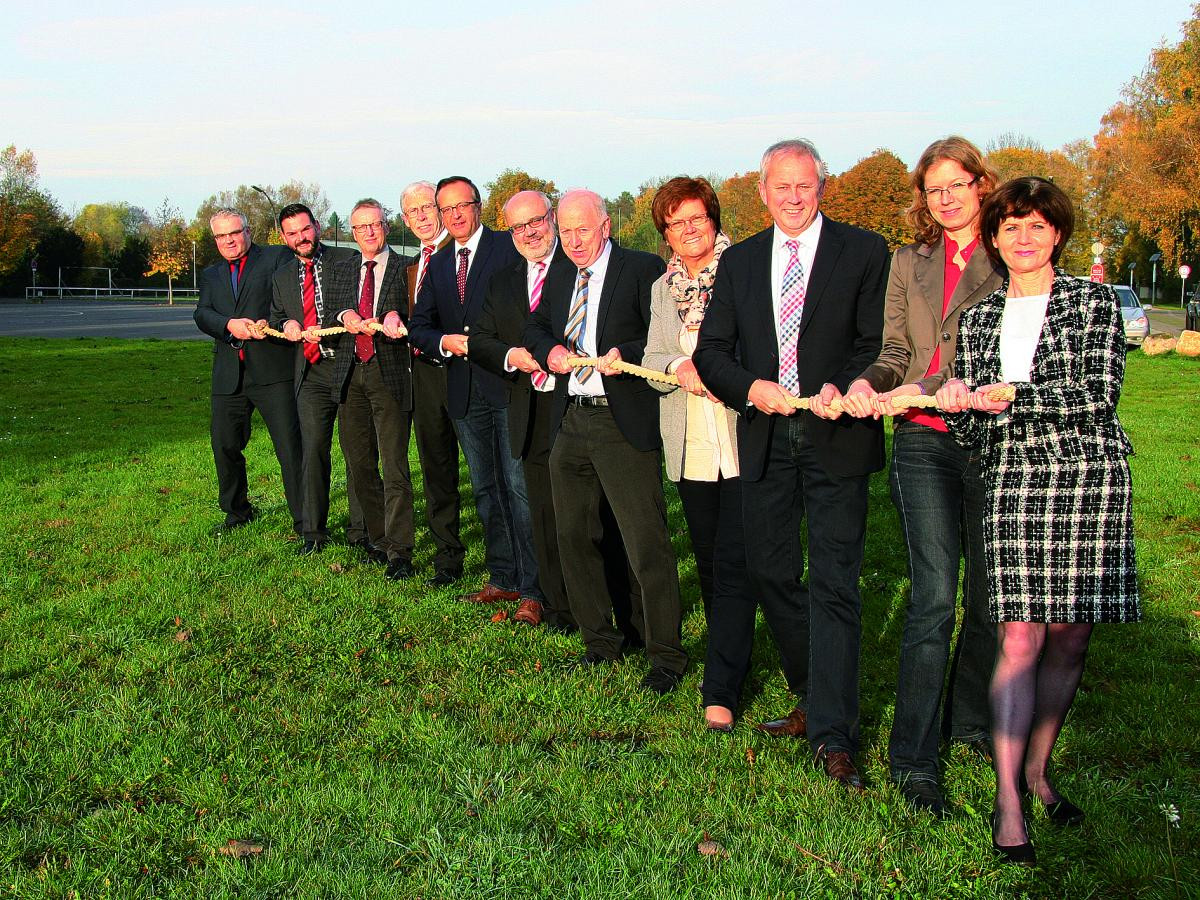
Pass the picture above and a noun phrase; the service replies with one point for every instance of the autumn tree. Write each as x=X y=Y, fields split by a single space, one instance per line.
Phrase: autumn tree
x=1068 y=169
x=170 y=247
x=872 y=194
x=27 y=214
x=508 y=183
x=1147 y=155
x=742 y=210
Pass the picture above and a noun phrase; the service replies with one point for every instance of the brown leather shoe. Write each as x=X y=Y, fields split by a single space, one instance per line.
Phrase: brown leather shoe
x=529 y=611
x=490 y=594
x=839 y=766
x=794 y=724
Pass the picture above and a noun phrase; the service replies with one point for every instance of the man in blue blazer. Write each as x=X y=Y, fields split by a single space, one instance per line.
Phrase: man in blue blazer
x=250 y=371
x=448 y=305
x=796 y=310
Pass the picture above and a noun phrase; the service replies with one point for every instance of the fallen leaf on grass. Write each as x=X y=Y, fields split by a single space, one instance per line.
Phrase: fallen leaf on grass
x=336 y=568
x=183 y=636
x=240 y=849
x=709 y=847
x=500 y=616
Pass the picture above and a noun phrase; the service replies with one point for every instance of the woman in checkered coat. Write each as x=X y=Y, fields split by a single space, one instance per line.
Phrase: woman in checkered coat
x=1059 y=527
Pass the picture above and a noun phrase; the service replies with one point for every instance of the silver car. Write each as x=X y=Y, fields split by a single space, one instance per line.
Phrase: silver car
x=1137 y=326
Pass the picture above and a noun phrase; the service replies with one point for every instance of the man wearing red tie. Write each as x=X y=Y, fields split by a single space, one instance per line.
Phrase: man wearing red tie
x=299 y=298
x=249 y=371
x=437 y=444
x=376 y=367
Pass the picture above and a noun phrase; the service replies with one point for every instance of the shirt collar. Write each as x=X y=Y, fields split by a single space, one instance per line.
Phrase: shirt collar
x=807 y=238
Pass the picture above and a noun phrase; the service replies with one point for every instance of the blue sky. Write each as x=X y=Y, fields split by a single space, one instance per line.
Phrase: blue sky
x=141 y=101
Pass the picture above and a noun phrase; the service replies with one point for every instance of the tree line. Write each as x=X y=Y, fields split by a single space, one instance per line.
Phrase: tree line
x=1135 y=185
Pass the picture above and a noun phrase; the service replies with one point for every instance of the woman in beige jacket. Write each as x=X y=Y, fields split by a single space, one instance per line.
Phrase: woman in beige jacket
x=699 y=438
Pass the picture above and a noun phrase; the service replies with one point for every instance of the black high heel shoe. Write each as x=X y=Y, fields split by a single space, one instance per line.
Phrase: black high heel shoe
x=1015 y=854
x=1061 y=812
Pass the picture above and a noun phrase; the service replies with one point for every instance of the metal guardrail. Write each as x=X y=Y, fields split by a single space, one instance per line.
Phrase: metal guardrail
x=56 y=292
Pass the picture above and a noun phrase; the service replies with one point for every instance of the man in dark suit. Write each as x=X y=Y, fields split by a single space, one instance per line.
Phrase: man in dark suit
x=797 y=309
x=249 y=370
x=376 y=368
x=605 y=436
x=448 y=306
x=300 y=297
x=496 y=344
x=437 y=444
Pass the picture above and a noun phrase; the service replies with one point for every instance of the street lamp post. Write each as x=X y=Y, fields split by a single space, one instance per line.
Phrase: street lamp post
x=274 y=215
x=1154 y=277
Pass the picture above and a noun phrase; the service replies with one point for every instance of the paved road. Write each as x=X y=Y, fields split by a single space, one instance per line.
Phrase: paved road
x=100 y=318
x=106 y=318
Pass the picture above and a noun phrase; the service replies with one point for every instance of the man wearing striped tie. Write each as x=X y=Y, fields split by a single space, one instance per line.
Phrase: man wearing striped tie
x=796 y=310
x=605 y=437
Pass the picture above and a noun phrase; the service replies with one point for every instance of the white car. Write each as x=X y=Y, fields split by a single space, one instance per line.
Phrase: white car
x=1137 y=326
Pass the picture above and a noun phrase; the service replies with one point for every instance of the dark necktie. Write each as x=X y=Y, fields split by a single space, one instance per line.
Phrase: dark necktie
x=312 y=352
x=462 y=274
x=364 y=344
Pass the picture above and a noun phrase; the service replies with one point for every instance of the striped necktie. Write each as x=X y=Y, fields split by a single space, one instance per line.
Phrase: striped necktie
x=535 y=298
x=577 y=323
x=791 y=308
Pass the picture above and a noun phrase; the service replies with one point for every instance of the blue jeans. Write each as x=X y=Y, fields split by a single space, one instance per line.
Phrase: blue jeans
x=501 y=500
x=938 y=492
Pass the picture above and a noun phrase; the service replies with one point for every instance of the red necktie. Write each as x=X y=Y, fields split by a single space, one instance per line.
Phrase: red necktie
x=535 y=297
x=364 y=344
x=312 y=352
x=462 y=274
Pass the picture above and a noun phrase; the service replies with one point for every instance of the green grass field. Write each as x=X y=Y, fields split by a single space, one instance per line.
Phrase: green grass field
x=164 y=691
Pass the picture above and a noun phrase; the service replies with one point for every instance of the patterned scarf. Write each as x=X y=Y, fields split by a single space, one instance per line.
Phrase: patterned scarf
x=691 y=295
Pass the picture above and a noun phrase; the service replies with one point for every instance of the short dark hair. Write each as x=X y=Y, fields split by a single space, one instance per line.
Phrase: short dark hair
x=295 y=209
x=678 y=191
x=1019 y=198
x=457 y=179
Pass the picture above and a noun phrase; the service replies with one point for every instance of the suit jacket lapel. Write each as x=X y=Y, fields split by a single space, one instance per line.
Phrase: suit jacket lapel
x=616 y=261
x=829 y=249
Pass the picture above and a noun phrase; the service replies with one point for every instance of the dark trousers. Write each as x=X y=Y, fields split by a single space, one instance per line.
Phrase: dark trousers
x=372 y=411
x=939 y=494
x=501 y=498
x=229 y=428
x=317 y=405
x=592 y=460
x=713 y=510
x=541 y=511
x=437 y=447
x=817 y=630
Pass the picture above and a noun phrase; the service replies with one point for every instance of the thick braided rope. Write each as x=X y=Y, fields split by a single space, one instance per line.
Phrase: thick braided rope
x=913 y=400
x=323 y=332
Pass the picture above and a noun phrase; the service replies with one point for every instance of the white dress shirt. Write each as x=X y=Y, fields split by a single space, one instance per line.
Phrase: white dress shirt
x=594 y=386
x=781 y=255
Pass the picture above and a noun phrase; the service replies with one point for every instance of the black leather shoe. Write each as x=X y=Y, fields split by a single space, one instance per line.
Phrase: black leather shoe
x=1014 y=854
x=308 y=548
x=587 y=661
x=376 y=556
x=661 y=681
x=924 y=795
x=979 y=746
x=398 y=569
x=443 y=578
x=1061 y=812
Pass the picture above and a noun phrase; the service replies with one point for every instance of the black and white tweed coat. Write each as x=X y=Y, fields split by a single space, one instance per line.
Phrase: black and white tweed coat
x=1059 y=527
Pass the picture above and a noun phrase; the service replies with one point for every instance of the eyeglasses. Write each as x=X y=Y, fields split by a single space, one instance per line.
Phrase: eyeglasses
x=535 y=222
x=957 y=190
x=425 y=209
x=457 y=207
x=680 y=225
x=367 y=227
x=228 y=234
